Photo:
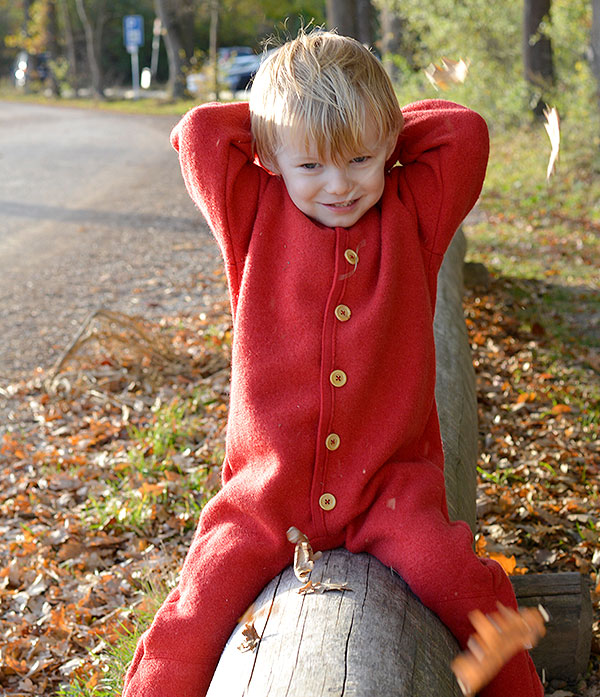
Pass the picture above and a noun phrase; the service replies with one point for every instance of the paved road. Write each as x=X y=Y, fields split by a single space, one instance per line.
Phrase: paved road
x=93 y=212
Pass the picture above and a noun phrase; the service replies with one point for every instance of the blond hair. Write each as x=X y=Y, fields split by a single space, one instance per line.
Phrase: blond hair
x=325 y=87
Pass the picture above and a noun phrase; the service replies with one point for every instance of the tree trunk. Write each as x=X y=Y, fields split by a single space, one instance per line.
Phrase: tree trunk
x=595 y=44
x=67 y=29
x=351 y=18
x=93 y=42
x=26 y=17
x=364 y=21
x=175 y=50
x=214 y=45
x=537 y=52
x=50 y=42
x=391 y=39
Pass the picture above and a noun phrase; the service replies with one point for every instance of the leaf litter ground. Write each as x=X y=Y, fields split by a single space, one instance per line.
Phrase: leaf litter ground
x=109 y=460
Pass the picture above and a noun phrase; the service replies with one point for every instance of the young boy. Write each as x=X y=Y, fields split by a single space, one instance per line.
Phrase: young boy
x=331 y=254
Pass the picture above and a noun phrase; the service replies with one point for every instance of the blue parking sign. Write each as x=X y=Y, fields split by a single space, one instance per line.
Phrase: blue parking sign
x=133 y=32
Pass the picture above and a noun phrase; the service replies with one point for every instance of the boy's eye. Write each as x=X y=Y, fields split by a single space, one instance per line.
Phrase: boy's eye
x=310 y=165
x=362 y=158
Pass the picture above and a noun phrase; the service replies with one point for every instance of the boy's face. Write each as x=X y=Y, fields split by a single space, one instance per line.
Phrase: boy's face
x=335 y=195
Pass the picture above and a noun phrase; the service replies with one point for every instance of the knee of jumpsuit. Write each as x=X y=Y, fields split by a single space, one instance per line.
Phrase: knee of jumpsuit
x=407 y=528
x=239 y=546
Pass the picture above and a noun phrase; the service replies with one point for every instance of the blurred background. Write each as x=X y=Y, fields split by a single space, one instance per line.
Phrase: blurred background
x=519 y=54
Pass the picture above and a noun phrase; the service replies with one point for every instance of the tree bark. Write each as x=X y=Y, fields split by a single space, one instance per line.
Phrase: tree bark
x=537 y=52
x=392 y=26
x=364 y=21
x=351 y=18
x=174 y=46
x=93 y=42
x=67 y=29
x=49 y=41
x=595 y=44
x=214 y=45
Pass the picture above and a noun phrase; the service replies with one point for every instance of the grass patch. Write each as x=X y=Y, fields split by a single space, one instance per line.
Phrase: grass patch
x=153 y=491
x=165 y=476
x=144 y=105
x=545 y=236
x=105 y=679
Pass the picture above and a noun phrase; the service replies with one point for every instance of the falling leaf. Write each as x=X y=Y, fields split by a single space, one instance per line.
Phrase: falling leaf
x=450 y=71
x=552 y=127
x=498 y=636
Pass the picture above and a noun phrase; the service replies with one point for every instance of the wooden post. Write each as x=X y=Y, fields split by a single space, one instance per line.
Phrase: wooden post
x=565 y=650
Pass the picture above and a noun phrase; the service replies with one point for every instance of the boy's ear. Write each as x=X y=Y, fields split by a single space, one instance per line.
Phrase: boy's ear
x=269 y=164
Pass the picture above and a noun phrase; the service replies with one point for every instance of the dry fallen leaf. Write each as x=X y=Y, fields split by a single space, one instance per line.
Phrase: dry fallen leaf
x=251 y=638
x=322 y=587
x=304 y=557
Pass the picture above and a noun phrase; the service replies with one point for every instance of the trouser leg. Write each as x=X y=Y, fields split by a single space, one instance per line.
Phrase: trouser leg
x=407 y=528
x=239 y=546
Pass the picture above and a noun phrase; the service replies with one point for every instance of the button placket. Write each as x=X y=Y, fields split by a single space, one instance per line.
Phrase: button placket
x=340 y=312
x=338 y=378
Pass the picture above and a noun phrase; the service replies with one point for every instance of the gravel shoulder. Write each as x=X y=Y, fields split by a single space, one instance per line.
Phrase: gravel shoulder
x=128 y=239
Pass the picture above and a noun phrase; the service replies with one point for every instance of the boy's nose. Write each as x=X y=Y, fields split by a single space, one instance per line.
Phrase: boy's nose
x=338 y=181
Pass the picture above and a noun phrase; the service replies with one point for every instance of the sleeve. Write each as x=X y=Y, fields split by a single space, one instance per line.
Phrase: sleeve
x=215 y=149
x=443 y=149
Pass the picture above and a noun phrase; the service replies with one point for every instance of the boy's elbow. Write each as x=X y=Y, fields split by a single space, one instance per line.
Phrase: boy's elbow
x=174 y=137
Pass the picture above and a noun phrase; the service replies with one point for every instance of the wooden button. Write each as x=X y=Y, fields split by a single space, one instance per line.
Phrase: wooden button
x=351 y=256
x=332 y=441
x=342 y=312
x=338 y=378
x=327 y=502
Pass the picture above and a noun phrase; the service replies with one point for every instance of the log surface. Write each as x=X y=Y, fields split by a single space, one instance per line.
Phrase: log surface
x=375 y=639
x=455 y=389
x=565 y=650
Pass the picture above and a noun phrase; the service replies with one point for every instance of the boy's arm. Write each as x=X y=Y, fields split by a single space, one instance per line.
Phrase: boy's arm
x=443 y=148
x=214 y=143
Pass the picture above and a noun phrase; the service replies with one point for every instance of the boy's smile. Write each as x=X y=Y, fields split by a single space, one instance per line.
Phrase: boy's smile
x=335 y=194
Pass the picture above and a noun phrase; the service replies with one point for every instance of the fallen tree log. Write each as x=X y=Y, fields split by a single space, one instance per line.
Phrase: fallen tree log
x=376 y=638
x=564 y=652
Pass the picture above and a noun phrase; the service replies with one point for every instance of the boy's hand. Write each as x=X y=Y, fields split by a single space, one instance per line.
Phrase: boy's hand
x=498 y=637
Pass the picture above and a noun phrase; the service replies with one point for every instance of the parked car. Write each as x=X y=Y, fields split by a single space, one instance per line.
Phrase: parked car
x=237 y=67
x=28 y=68
x=240 y=72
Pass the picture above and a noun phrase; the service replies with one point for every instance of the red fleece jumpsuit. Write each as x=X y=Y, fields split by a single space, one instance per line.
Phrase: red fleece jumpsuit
x=333 y=426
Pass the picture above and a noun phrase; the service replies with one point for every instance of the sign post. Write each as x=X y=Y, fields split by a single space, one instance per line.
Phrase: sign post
x=133 y=38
